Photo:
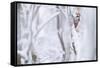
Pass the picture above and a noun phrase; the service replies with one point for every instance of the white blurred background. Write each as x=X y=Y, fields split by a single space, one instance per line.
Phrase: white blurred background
x=5 y=33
